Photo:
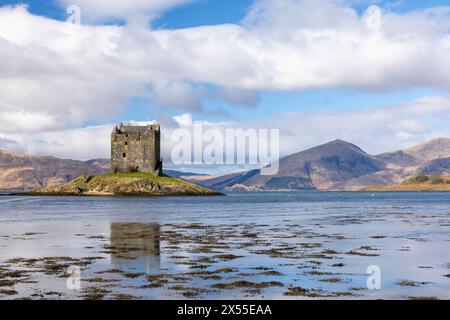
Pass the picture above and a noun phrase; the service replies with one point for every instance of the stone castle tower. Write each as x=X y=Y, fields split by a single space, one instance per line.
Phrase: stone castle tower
x=136 y=149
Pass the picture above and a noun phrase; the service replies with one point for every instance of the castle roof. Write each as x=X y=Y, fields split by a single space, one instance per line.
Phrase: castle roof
x=136 y=129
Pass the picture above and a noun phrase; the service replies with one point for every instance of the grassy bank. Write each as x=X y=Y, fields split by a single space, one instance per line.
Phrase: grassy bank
x=419 y=183
x=135 y=184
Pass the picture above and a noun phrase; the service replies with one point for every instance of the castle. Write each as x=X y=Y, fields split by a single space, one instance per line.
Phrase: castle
x=136 y=149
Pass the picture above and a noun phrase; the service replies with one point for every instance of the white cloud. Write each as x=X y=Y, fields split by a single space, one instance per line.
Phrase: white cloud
x=79 y=72
x=80 y=143
x=184 y=120
x=61 y=71
x=178 y=95
x=21 y=121
x=264 y=54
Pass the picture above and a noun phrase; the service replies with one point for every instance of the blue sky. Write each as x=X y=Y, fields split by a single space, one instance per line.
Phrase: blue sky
x=265 y=95
x=197 y=13
x=206 y=12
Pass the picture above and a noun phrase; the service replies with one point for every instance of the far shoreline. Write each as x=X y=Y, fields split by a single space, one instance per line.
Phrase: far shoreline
x=109 y=195
x=216 y=194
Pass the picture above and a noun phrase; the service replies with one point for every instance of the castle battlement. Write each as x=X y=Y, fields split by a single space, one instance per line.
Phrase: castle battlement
x=136 y=149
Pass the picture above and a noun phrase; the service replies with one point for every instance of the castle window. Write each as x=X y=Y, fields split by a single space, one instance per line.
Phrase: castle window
x=124 y=155
x=126 y=143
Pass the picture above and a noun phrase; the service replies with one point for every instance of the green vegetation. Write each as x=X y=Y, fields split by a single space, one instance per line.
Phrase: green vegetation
x=418 y=183
x=139 y=175
x=135 y=183
x=132 y=175
x=414 y=180
x=432 y=179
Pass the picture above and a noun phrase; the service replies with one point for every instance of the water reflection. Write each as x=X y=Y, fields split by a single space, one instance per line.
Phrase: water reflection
x=137 y=247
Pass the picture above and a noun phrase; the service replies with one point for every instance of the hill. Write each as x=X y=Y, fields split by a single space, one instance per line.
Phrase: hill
x=419 y=183
x=321 y=167
x=25 y=172
x=431 y=150
x=339 y=165
x=134 y=184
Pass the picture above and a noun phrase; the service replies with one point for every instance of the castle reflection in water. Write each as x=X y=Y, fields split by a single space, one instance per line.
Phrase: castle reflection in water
x=137 y=247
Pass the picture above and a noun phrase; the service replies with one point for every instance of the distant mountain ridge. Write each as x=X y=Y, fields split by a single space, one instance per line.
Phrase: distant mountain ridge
x=337 y=165
x=26 y=172
x=434 y=149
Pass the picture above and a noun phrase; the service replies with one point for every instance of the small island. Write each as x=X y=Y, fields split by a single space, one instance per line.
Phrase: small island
x=419 y=183
x=126 y=184
x=136 y=170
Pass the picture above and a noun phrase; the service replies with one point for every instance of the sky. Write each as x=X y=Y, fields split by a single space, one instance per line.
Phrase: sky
x=316 y=70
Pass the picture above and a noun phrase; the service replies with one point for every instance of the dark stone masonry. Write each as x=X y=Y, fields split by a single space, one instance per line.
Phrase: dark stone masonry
x=136 y=149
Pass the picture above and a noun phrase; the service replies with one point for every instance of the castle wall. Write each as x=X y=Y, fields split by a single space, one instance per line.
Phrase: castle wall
x=136 y=152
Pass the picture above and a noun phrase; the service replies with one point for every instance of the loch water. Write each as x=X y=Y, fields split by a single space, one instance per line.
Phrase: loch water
x=264 y=245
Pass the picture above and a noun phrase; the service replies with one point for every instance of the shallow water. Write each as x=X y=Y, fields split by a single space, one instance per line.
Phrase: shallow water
x=301 y=245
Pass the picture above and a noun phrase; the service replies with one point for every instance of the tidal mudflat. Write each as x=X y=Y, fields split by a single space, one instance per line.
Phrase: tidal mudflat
x=305 y=245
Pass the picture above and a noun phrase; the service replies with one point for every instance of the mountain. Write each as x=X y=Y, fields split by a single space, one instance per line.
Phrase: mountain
x=125 y=184
x=339 y=165
x=431 y=150
x=426 y=158
x=220 y=182
x=183 y=175
x=104 y=164
x=399 y=159
x=330 y=164
x=25 y=172
x=322 y=167
x=440 y=167
x=418 y=155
